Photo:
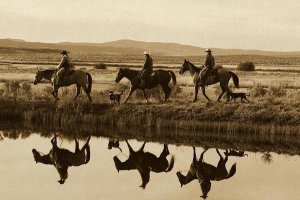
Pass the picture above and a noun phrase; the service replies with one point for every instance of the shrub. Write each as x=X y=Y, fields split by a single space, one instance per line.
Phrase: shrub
x=277 y=91
x=100 y=66
x=257 y=90
x=246 y=66
x=26 y=89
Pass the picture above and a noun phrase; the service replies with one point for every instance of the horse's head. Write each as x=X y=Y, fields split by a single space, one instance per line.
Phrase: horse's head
x=120 y=75
x=36 y=155
x=185 y=66
x=38 y=78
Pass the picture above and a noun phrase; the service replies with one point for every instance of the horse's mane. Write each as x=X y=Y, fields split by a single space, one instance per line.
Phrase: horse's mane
x=48 y=72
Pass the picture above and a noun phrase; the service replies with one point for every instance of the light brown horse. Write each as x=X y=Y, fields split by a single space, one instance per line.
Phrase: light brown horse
x=80 y=78
x=218 y=75
x=206 y=173
x=62 y=159
x=145 y=162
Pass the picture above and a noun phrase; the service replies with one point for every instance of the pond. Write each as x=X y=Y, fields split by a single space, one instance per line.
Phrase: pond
x=258 y=175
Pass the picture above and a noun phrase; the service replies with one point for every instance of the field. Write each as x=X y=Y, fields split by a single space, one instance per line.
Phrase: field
x=274 y=89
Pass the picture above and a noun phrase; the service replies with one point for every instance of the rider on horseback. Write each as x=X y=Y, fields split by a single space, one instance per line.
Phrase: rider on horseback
x=208 y=64
x=63 y=67
x=147 y=70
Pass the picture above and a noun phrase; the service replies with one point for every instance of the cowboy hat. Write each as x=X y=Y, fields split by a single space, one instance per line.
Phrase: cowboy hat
x=146 y=53
x=64 y=52
x=208 y=50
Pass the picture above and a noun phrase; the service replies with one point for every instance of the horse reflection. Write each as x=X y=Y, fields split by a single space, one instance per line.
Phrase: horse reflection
x=114 y=143
x=62 y=159
x=145 y=162
x=206 y=173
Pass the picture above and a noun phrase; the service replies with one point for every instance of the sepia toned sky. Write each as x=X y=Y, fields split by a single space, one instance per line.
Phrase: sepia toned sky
x=252 y=24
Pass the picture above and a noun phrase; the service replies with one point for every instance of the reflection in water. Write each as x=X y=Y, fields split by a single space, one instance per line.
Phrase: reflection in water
x=206 y=173
x=145 y=162
x=237 y=153
x=114 y=143
x=267 y=158
x=62 y=159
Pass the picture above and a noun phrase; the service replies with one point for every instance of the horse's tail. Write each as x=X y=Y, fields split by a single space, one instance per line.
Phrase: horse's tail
x=89 y=77
x=171 y=164
x=232 y=171
x=235 y=79
x=173 y=77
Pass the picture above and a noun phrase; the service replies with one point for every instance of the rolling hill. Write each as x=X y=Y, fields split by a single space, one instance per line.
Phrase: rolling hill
x=132 y=47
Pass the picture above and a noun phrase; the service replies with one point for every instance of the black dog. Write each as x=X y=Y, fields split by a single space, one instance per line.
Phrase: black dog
x=115 y=97
x=234 y=96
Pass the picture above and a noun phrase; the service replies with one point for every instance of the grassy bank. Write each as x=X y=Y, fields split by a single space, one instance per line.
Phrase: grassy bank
x=266 y=116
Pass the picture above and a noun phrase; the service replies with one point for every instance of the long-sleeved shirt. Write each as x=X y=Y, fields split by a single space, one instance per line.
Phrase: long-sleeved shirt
x=209 y=61
x=64 y=63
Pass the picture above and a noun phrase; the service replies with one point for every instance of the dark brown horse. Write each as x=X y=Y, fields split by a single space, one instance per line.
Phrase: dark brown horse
x=218 y=75
x=206 y=173
x=62 y=159
x=80 y=78
x=145 y=162
x=160 y=77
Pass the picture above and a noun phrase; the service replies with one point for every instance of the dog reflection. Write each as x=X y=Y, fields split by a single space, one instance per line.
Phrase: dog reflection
x=206 y=173
x=114 y=143
x=236 y=153
x=145 y=162
x=62 y=159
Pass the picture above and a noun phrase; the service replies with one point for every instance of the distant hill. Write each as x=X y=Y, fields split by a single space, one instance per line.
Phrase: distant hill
x=132 y=47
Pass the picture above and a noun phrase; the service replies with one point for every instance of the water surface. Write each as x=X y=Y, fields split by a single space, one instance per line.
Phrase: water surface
x=258 y=176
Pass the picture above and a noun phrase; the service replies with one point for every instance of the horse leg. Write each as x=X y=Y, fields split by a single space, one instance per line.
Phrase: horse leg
x=194 y=155
x=201 y=156
x=144 y=93
x=78 y=88
x=76 y=146
x=129 y=147
x=219 y=154
x=223 y=91
x=142 y=147
x=203 y=92
x=167 y=90
x=55 y=93
x=132 y=89
x=196 y=91
x=87 y=93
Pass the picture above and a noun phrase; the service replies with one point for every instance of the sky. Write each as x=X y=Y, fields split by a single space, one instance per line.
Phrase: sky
x=244 y=24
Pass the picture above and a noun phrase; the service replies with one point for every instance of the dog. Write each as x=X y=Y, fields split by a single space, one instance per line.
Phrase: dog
x=115 y=97
x=233 y=96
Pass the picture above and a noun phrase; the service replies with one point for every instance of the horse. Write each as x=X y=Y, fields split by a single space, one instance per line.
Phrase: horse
x=62 y=159
x=145 y=162
x=80 y=78
x=218 y=75
x=159 y=77
x=206 y=173
x=44 y=74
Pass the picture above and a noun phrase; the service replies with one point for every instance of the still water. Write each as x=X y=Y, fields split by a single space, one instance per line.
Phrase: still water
x=257 y=175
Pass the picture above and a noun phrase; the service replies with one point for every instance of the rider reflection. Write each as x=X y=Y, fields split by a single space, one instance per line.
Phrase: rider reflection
x=206 y=172
x=62 y=159
x=145 y=162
